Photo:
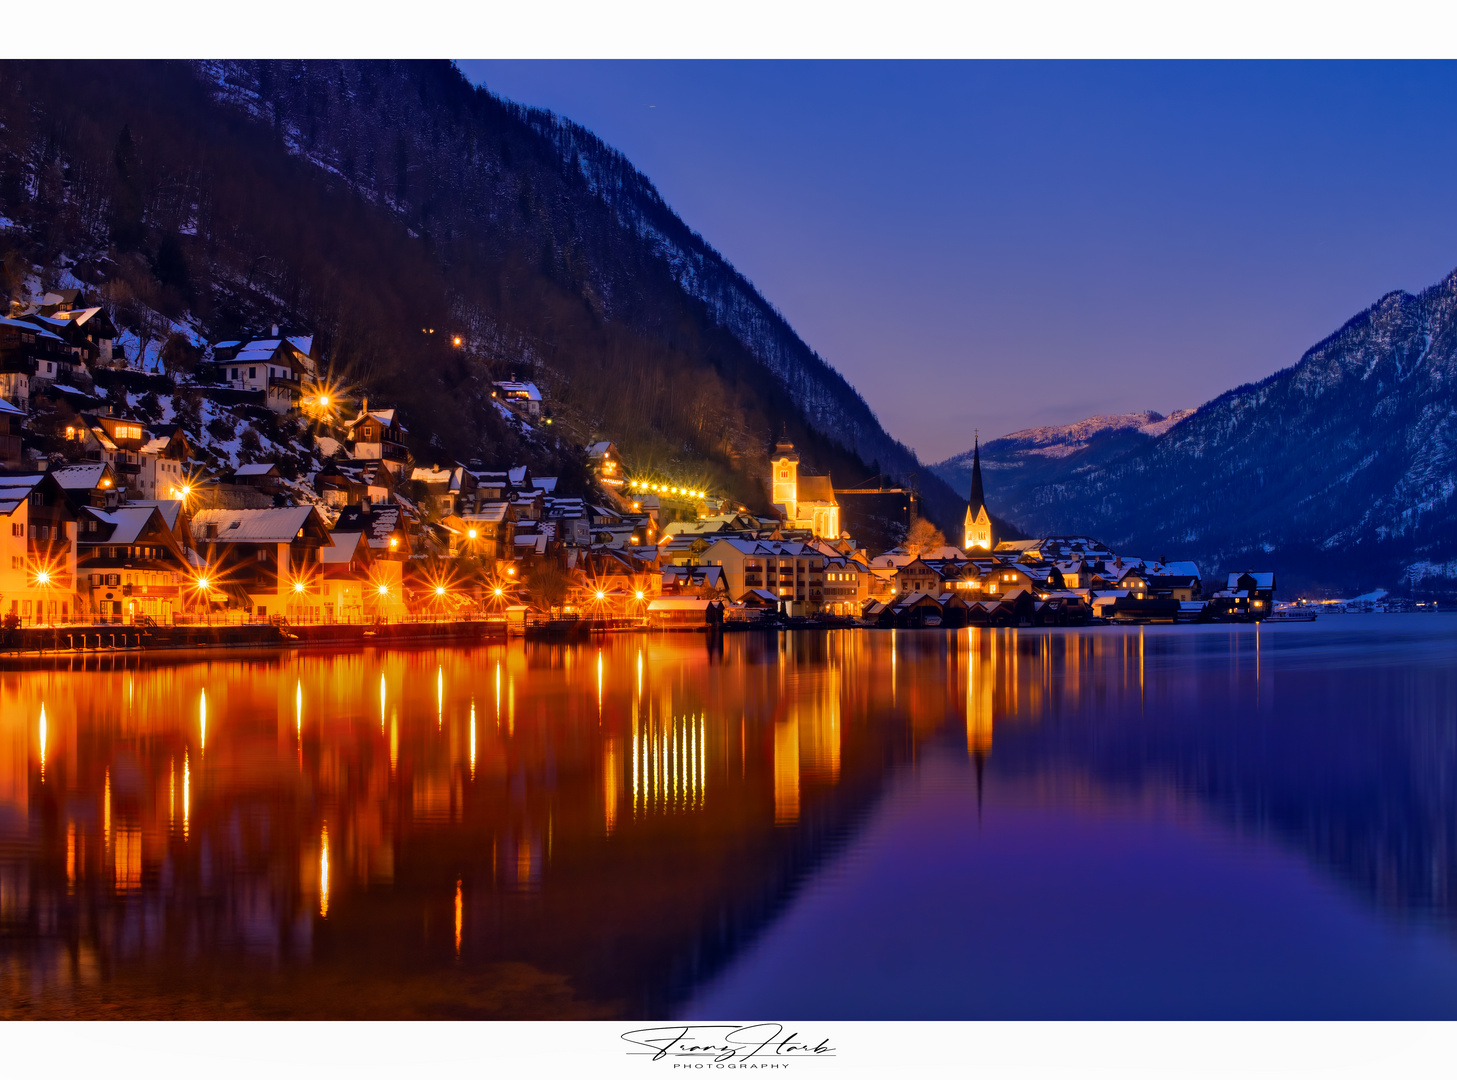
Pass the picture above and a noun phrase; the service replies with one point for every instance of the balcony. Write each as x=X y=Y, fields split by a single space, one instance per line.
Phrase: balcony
x=285 y=384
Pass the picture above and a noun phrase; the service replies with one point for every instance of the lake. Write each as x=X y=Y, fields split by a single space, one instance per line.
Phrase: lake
x=1115 y=822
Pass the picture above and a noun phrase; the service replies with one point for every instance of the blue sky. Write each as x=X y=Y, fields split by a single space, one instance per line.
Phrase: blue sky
x=1000 y=245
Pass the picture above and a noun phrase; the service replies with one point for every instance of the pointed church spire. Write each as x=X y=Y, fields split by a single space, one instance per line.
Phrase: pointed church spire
x=977 y=530
x=977 y=499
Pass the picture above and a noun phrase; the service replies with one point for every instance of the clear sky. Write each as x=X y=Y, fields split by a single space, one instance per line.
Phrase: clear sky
x=1003 y=245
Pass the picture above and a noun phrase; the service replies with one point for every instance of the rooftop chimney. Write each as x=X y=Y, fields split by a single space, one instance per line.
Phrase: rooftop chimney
x=275 y=330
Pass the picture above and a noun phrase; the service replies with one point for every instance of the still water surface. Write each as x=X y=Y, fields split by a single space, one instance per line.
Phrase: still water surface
x=1116 y=822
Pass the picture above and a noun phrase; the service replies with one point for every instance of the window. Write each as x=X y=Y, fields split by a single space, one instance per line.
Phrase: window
x=252 y=373
x=234 y=374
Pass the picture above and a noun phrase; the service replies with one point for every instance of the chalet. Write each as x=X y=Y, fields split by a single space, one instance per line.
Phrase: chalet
x=164 y=469
x=256 y=558
x=274 y=366
x=120 y=442
x=378 y=435
x=606 y=464
x=383 y=525
x=30 y=355
x=694 y=581
x=38 y=566
x=488 y=533
x=349 y=483
x=522 y=398
x=129 y=565
x=92 y=483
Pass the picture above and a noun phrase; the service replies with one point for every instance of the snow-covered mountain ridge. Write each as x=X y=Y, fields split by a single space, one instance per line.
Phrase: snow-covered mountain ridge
x=1337 y=472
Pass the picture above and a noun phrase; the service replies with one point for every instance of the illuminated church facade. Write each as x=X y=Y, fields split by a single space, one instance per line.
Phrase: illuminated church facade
x=807 y=502
x=977 y=527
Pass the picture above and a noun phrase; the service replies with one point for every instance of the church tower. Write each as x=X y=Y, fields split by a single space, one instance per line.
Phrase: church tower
x=784 y=474
x=978 y=525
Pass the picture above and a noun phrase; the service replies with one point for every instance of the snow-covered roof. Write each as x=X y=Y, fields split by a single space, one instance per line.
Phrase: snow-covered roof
x=520 y=389
x=129 y=522
x=81 y=477
x=261 y=468
x=170 y=509
x=30 y=328
x=8 y=409
x=1263 y=580
x=227 y=344
x=599 y=449
x=544 y=483
x=342 y=547
x=517 y=475
x=304 y=343
x=488 y=514
x=537 y=541
x=14 y=490
x=275 y=525
x=431 y=476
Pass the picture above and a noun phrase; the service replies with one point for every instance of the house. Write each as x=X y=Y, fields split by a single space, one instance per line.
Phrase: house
x=129 y=565
x=792 y=571
x=92 y=483
x=1253 y=593
x=378 y=435
x=606 y=464
x=274 y=366
x=255 y=559
x=488 y=534
x=38 y=564
x=30 y=355
x=1182 y=587
x=847 y=585
x=345 y=587
x=348 y=483
x=119 y=442
x=684 y=612
x=163 y=473
x=522 y=398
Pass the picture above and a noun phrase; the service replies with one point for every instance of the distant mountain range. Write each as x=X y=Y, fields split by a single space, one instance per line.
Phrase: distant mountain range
x=1338 y=472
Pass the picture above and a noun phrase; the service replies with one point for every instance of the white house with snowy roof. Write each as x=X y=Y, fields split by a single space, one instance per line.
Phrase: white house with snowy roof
x=275 y=366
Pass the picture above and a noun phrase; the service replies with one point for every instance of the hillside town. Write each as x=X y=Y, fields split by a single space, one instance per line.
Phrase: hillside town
x=251 y=489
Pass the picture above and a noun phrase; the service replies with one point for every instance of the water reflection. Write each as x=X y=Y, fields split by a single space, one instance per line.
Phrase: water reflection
x=612 y=824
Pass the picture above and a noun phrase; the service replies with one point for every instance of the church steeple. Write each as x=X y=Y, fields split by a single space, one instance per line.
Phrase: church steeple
x=978 y=524
x=978 y=499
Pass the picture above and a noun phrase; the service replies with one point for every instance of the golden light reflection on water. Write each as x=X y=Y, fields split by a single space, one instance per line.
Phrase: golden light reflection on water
x=659 y=741
x=324 y=871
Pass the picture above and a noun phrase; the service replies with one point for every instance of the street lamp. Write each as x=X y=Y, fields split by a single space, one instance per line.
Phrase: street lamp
x=43 y=582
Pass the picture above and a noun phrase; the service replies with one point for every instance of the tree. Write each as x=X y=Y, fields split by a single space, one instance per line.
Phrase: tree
x=923 y=536
x=548 y=585
x=178 y=356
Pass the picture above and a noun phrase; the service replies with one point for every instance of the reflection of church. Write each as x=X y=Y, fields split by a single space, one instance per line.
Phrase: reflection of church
x=807 y=502
x=978 y=524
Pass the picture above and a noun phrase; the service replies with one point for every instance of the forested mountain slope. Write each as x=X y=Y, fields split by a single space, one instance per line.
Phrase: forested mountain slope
x=378 y=200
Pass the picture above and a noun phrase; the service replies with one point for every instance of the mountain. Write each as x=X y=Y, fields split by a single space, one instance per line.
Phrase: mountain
x=1338 y=472
x=1025 y=459
x=392 y=207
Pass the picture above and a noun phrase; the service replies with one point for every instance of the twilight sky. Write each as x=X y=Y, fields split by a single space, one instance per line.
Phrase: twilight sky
x=1009 y=244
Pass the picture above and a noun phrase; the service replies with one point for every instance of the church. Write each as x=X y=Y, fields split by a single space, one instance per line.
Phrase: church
x=807 y=502
x=978 y=525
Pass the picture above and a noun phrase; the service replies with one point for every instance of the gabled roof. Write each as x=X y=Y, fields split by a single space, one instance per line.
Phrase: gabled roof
x=170 y=509
x=343 y=547
x=378 y=523
x=275 y=525
x=84 y=477
x=526 y=389
x=8 y=409
x=815 y=489
x=14 y=490
x=129 y=522
x=260 y=468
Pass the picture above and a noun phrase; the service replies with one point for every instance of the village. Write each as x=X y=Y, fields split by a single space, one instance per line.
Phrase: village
x=114 y=518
